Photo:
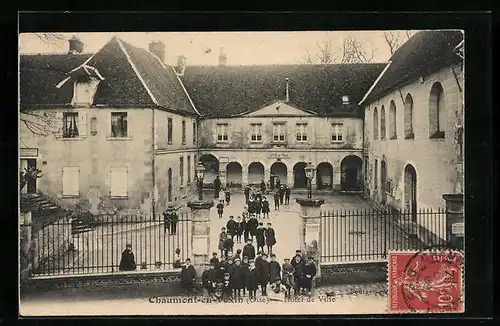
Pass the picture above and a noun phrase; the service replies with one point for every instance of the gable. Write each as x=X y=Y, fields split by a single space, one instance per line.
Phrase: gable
x=279 y=108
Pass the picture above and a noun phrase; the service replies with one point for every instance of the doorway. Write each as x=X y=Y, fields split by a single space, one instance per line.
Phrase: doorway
x=299 y=175
x=411 y=191
x=30 y=187
x=383 y=186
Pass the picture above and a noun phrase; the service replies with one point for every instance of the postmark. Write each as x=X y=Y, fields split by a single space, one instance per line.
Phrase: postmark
x=427 y=281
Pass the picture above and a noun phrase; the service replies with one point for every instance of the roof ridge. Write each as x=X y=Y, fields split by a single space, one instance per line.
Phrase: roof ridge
x=127 y=55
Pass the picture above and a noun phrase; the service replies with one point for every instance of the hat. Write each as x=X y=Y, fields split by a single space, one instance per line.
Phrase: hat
x=251 y=261
x=128 y=245
x=298 y=250
x=214 y=254
x=250 y=239
x=237 y=259
x=226 y=274
x=264 y=254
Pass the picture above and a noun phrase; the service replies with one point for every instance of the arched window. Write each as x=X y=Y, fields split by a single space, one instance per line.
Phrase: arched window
x=382 y=123
x=375 y=124
x=392 y=121
x=93 y=126
x=436 y=111
x=409 y=117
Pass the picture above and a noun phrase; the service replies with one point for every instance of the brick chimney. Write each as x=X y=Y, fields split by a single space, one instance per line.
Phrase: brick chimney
x=222 y=58
x=158 y=49
x=75 y=45
x=181 y=65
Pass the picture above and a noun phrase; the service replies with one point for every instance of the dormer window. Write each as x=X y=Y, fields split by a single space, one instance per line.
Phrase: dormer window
x=83 y=93
x=85 y=79
x=345 y=100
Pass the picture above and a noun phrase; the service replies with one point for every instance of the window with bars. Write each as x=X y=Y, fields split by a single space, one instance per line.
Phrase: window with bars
x=170 y=126
x=256 y=132
x=183 y=132
x=70 y=124
x=222 y=132
x=337 y=132
x=119 y=124
x=181 y=170
x=279 y=132
x=194 y=132
x=302 y=132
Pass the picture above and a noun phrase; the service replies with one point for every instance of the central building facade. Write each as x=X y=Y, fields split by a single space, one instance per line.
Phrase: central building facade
x=259 y=122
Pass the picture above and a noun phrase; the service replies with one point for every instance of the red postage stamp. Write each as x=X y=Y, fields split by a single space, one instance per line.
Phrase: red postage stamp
x=426 y=282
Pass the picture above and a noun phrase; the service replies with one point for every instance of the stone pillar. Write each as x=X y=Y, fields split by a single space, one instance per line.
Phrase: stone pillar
x=455 y=220
x=200 y=235
x=310 y=235
x=223 y=175
x=244 y=175
x=26 y=258
x=289 y=178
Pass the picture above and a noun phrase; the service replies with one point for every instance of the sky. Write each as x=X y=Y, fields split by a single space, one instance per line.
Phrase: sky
x=203 y=48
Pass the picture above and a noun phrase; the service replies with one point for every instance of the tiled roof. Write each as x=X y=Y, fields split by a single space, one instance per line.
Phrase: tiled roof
x=232 y=90
x=424 y=53
x=40 y=73
x=121 y=87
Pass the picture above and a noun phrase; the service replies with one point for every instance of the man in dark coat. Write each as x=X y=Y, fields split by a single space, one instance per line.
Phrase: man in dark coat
x=252 y=279
x=274 y=270
x=231 y=226
x=188 y=277
x=127 y=263
x=249 y=250
x=263 y=187
x=208 y=278
x=258 y=207
x=251 y=207
x=245 y=265
x=214 y=260
x=220 y=209
x=298 y=265
x=281 y=191
x=264 y=273
x=247 y=194
x=309 y=273
x=278 y=183
x=245 y=229
x=252 y=224
x=265 y=207
x=270 y=238
x=259 y=236
x=276 y=201
x=287 y=195
x=237 y=278
x=240 y=228
x=217 y=185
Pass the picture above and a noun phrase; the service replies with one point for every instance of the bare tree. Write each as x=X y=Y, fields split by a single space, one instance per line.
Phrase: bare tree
x=56 y=39
x=40 y=122
x=395 y=39
x=350 y=50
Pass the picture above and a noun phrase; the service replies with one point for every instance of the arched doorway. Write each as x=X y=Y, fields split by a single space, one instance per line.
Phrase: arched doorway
x=279 y=169
x=299 y=175
x=383 y=181
x=350 y=179
x=234 y=173
x=410 y=176
x=169 y=183
x=324 y=176
x=255 y=173
x=211 y=165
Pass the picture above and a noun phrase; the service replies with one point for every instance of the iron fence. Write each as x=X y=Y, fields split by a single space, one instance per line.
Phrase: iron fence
x=367 y=235
x=90 y=244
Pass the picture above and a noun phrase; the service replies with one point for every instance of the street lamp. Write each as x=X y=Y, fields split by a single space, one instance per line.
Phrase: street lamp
x=200 y=174
x=309 y=169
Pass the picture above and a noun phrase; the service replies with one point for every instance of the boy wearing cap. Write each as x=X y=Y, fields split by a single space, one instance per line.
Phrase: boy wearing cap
x=239 y=229
x=251 y=280
x=208 y=278
x=249 y=249
x=270 y=238
x=188 y=277
x=245 y=266
x=227 y=290
x=214 y=260
x=259 y=236
x=274 y=270
x=228 y=245
x=127 y=263
x=231 y=226
x=287 y=276
x=237 y=278
x=264 y=274
x=309 y=273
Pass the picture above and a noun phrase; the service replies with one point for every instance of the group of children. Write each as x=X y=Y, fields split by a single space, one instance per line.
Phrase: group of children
x=264 y=236
x=234 y=276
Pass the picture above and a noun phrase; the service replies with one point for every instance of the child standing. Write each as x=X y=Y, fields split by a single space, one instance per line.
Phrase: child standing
x=309 y=273
x=222 y=239
x=222 y=196
x=228 y=196
x=220 y=208
x=270 y=238
x=265 y=207
x=252 y=279
x=240 y=228
x=274 y=270
x=214 y=260
x=259 y=236
x=231 y=226
x=127 y=263
x=228 y=246
x=177 y=258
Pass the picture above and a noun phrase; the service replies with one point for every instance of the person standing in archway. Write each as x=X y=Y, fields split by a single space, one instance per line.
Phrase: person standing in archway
x=262 y=187
x=278 y=183
x=217 y=185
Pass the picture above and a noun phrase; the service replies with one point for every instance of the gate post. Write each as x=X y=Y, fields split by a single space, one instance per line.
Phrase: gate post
x=200 y=235
x=455 y=220
x=310 y=235
x=26 y=246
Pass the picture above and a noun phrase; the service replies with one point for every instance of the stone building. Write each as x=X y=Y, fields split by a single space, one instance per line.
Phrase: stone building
x=114 y=130
x=271 y=120
x=413 y=130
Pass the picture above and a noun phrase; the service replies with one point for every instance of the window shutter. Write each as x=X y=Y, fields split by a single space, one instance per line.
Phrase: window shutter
x=71 y=181
x=119 y=181
x=82 y=123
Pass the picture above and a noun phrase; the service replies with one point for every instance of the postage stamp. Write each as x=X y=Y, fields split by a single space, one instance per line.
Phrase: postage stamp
x=426 y=281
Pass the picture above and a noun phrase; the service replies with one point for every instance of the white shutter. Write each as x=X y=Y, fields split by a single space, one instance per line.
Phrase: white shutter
x=119 y=181
x=71 y=181
x=82 y=123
